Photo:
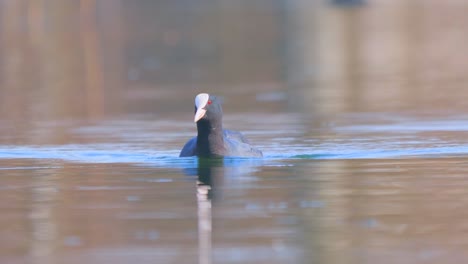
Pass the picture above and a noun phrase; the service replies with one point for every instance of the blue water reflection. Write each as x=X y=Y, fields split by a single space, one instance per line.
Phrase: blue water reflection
x=142 y=141
x=354 y=150
x=312 y=181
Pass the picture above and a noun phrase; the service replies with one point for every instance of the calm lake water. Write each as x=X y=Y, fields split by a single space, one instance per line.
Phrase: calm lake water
x=353 y=188
x=358 y=106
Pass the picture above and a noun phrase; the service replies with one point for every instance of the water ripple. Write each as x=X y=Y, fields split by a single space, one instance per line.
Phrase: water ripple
x=112 y=154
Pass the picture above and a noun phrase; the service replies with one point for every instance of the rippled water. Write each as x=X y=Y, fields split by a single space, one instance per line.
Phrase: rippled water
x=359 y=188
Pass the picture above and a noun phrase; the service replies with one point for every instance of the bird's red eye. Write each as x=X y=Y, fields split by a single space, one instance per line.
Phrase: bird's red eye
x=209 y=101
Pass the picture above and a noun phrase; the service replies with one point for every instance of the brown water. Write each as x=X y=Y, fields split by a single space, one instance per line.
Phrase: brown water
x=344 y=190
x=359 y=109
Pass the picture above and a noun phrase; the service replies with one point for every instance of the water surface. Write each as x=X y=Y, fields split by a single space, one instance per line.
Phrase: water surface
x=359 y=188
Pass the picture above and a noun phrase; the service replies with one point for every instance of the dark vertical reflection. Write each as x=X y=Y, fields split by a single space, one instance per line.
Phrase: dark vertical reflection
x=17 y=60
x=112 y=36
x=413 y=35
x=93 y=75
x=60 y=59
x=206 y=173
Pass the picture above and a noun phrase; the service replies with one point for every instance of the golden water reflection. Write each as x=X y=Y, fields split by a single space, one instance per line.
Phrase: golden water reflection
x=359 y=110
x=405 y=211
x=269 y=211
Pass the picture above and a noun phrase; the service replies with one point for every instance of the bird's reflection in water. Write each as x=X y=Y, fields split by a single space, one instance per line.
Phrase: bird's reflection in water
x=207 y=170
x=211 y=174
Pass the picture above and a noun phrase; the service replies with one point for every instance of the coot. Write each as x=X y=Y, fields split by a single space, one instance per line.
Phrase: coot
x=212 y=140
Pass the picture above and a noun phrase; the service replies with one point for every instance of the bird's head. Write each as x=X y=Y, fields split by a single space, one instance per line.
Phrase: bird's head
x=207 y=107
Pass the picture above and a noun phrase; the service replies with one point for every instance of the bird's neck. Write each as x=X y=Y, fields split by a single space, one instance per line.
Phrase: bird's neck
x=210 y=140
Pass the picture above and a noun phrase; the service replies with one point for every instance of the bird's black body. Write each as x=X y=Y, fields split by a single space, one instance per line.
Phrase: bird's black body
x=214 y=141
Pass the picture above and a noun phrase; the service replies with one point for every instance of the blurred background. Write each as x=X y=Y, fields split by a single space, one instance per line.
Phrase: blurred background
x=358 y=106
x=90 y=58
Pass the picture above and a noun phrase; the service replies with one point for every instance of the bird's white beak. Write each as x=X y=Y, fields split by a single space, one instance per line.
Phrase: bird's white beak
x=199 y=114
x=201 y=101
